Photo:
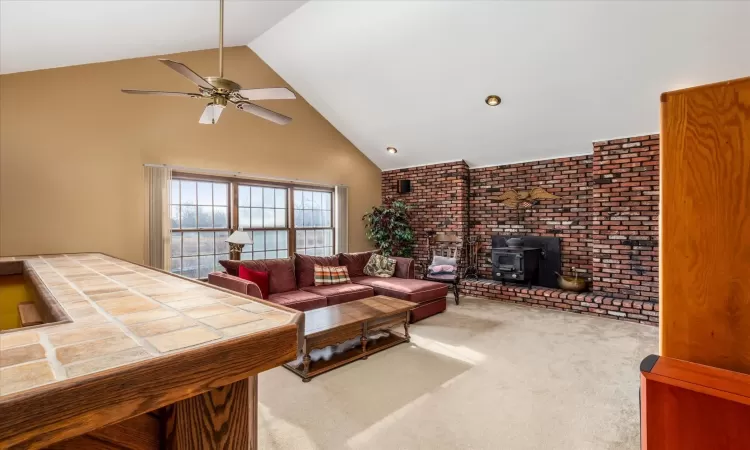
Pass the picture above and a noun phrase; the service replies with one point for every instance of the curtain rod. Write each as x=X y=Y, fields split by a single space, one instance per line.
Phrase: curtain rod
x=229 y=173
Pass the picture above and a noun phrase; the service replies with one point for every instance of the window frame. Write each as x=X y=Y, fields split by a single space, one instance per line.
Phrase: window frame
x=235 y=182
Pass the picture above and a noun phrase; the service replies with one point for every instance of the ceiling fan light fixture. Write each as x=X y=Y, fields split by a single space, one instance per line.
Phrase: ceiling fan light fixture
x=391 y=150
x=492 y=100
x=211 y=114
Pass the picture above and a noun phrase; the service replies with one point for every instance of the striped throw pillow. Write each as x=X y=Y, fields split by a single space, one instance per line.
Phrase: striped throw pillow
x=325 y=275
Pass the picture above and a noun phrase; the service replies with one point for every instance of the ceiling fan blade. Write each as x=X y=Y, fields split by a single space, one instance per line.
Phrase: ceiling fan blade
x=185 y=71
x=175 y=94
x=267 y=94
x=211 y=114
x=264 y=113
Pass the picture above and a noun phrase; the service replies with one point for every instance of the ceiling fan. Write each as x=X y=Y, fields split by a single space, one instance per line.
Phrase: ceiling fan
x=221 y=91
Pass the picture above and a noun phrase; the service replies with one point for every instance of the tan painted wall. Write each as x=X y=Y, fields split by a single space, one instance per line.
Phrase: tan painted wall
x=72 y=149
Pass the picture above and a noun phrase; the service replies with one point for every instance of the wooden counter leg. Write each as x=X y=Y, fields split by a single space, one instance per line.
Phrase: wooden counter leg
x=222 y=418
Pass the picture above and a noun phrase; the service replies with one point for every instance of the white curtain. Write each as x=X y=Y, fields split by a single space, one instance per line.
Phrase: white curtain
x=342 y=219
x=158 y=227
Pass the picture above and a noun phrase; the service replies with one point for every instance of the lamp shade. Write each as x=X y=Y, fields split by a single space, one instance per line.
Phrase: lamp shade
x=240 y=237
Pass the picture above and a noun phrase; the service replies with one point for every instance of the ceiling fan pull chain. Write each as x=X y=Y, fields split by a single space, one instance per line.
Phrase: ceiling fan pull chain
x=221 y=38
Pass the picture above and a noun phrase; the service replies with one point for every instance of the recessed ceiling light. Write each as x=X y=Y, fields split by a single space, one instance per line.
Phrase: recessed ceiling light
x=492 y=100
x=391 y=150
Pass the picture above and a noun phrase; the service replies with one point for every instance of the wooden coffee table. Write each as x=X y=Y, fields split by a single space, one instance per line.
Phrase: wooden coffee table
x=336 y=324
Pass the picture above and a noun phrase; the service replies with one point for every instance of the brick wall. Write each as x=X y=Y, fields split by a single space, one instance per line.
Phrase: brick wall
x=607 y=219
x=568 y=218
x=439 y=199
x=625 y=208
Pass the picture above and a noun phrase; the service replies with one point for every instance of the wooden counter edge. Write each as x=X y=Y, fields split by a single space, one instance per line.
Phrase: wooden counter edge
x=69 y=408
x=709 y=380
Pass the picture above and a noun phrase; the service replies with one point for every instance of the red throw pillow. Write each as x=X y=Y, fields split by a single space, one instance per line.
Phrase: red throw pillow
x=257 y=277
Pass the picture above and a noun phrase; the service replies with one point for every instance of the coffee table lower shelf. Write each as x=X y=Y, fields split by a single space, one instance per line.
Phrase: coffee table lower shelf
x=337 y=360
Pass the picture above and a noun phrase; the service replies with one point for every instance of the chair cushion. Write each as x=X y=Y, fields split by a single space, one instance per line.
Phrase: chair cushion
x=341 y=293
x=355 y=262
x=299 y=300
x=417 y=291
x=304 y=267
x=280 y=272
x=442 y=277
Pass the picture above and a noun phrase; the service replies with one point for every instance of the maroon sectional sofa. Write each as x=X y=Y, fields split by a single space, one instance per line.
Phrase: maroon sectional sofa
x=291 y=283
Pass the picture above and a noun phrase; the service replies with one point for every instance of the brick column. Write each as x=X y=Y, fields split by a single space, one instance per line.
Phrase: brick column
x=625 y=208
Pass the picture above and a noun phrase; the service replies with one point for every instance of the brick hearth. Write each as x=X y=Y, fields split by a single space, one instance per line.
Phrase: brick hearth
x=606 y=218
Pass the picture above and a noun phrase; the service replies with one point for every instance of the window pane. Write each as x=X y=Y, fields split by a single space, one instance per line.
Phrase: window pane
x=300 y=236
x=268 y=197
x=298 y=218
x=205 y=193
x=206 y=243
x=282 y=243
x=256 y=218
x=221 y=244
x=259 y=255
x=190 y=267
x=259 y=240
x=326 y=218
x=187 y=192
x=327 y=201
x=174 y=192
x=310 y=238
x=268 y=218
x=206 y=265
x=270 y=241
x=190 y=243
x=297 y=199
x=280 y=198
x=176 y=265
x=317 y=218
x=308 y=218
x=221 y=219
x=218 y=258
x=280 y=218
x=307 y=199
x=176 y=244
x=174 y=215
x=220 y=194
x=244 y=219
x=317 y=200
x=189 y=215
x=272 y=255
x=328 y=238
x=205 y=217
x=243 y=196
x=319 y=238
x=256 y=196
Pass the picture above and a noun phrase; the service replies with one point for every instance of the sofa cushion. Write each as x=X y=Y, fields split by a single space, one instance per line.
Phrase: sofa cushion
x=417 y=291
x=355 y=262
x=341 y=293
x=280 y=272
x=259 y=277
x=299 y=300
x=304 y=267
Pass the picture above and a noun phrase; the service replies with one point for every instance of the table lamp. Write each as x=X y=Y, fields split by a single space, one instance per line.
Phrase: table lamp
x=236 y=241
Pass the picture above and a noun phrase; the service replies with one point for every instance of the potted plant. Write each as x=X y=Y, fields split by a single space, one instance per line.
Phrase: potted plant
x=388 y=226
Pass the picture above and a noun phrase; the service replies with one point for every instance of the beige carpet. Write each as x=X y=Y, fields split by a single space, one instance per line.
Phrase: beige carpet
x=483 y=375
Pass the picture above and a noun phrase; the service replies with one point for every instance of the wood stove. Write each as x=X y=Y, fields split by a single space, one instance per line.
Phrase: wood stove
x=533 y=263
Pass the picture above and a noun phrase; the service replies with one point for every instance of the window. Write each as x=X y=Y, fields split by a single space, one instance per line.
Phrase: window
x=263 y=209
x=280 y=217
x=313 y=219
x=199 y=212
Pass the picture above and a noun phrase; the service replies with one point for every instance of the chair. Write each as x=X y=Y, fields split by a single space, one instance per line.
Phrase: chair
x=449 y=245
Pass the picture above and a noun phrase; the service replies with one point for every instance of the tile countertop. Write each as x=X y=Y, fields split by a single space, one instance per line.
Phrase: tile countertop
x=122 y=313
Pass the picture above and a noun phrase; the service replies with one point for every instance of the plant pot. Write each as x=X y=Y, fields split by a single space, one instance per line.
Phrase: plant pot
x=514 y=242
x=575 y=284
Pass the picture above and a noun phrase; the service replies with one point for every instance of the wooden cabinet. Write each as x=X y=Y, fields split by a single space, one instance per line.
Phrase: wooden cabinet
x=705 y=225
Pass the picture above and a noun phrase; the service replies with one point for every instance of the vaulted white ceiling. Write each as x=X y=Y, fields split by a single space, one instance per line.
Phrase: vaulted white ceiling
x=414 y=74
x=40 y=34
